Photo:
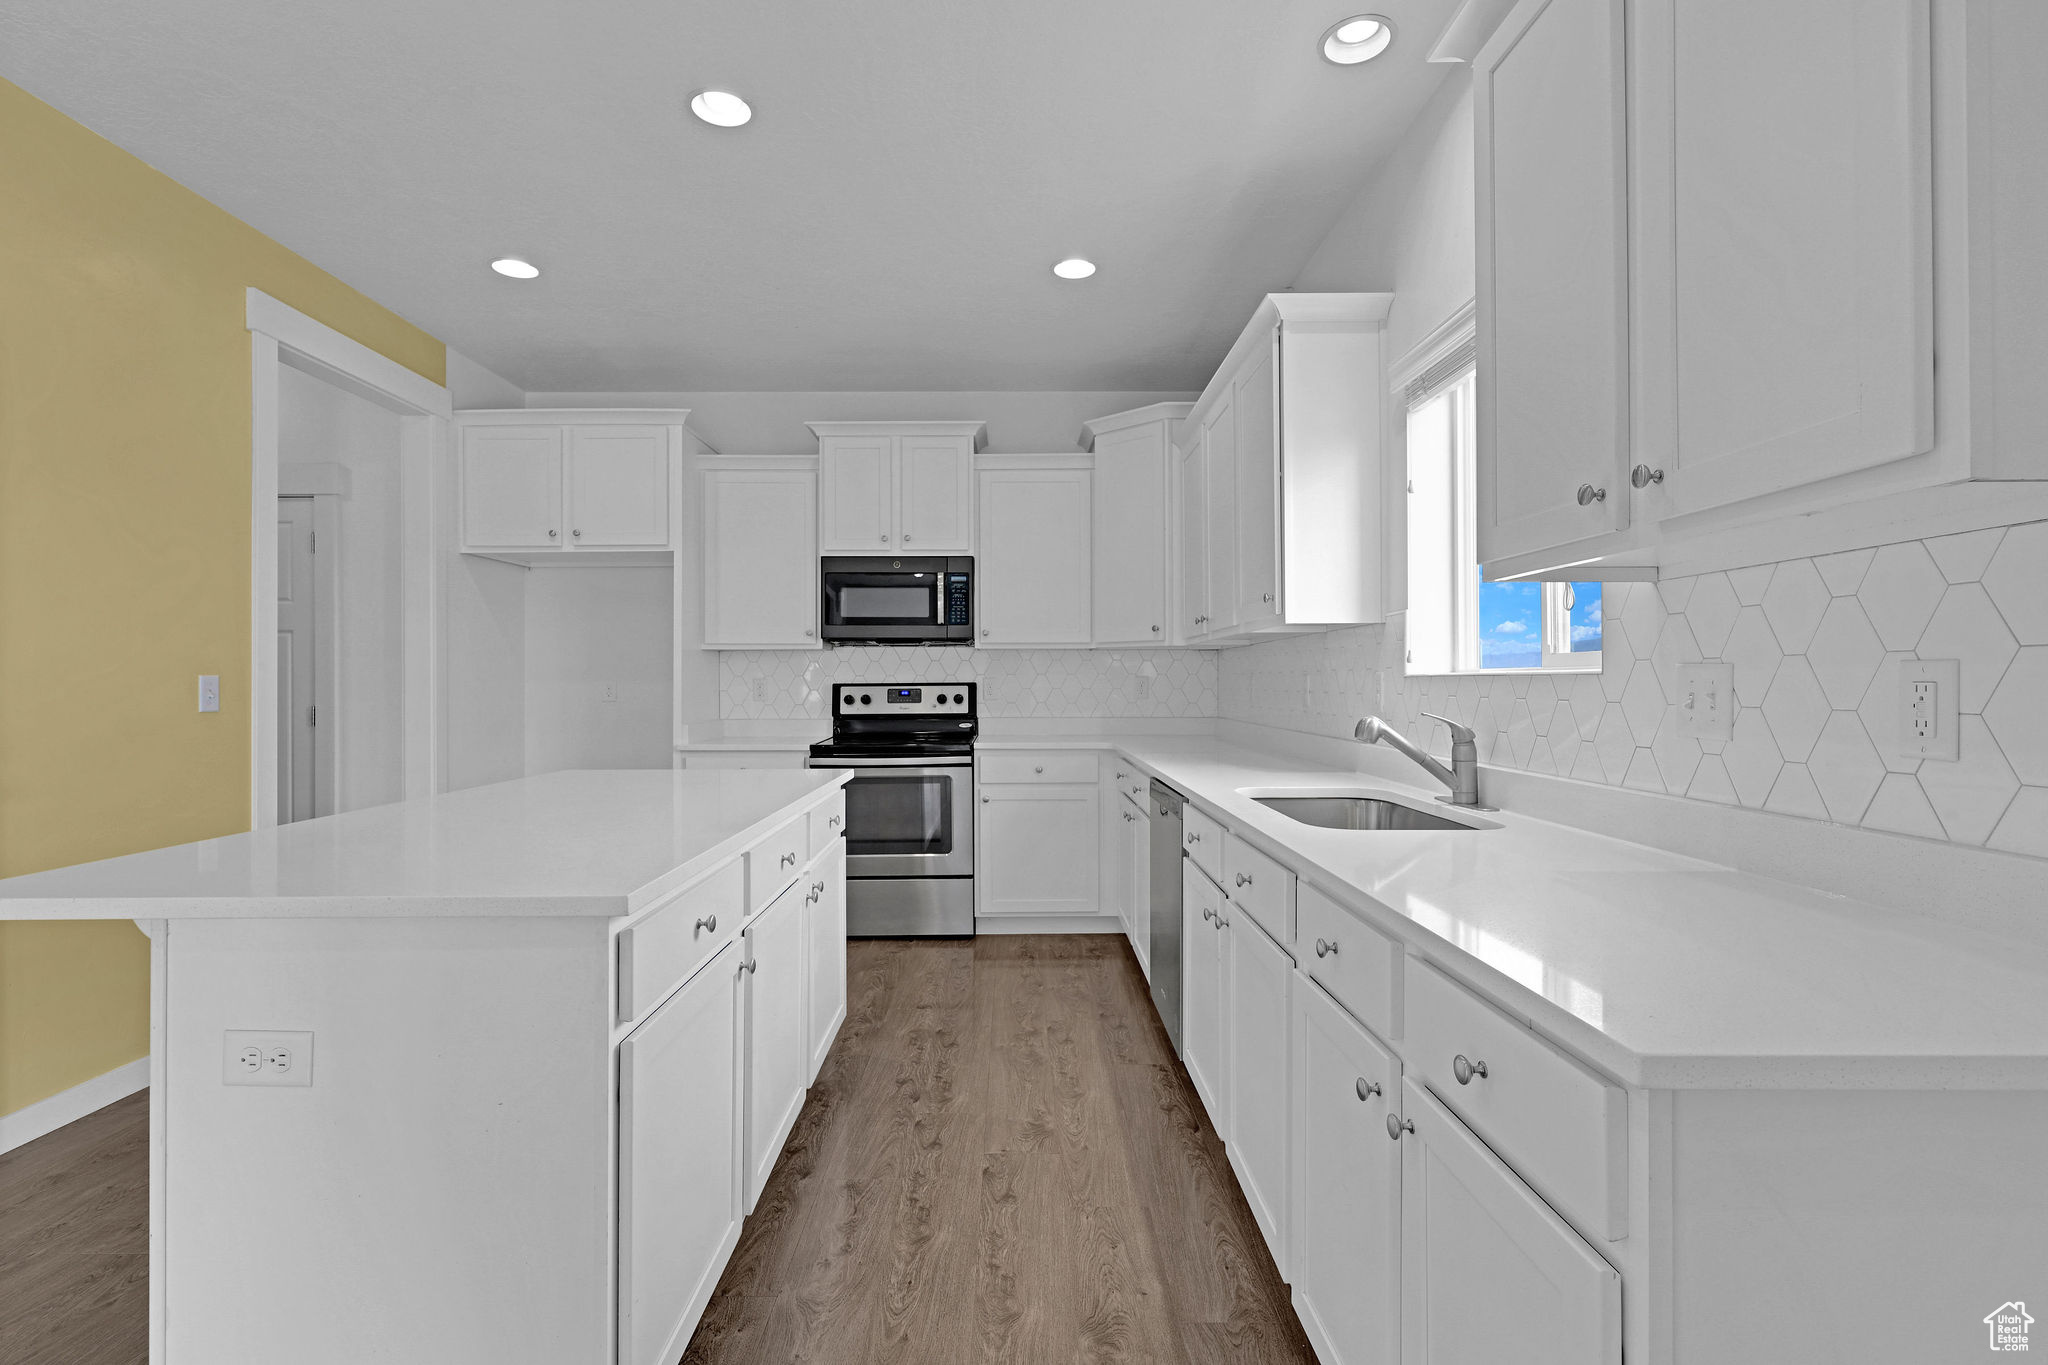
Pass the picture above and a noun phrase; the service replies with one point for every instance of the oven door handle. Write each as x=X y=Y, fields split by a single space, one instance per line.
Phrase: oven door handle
x=855 y=764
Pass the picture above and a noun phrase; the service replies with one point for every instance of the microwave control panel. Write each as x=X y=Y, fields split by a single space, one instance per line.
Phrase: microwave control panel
x=959 y=611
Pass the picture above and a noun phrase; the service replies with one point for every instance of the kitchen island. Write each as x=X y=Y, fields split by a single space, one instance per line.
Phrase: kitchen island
x=492 y=1076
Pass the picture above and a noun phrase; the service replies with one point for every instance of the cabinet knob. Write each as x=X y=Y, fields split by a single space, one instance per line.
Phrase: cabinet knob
x=552 y=535
x=906 y=540
x=750 y=966
x=789 y=860
x=708 y=923
x=1269 y=597
x=1588 y=495
x=1155 y=630
x=577 y=534
x=984 y=800
x=812 y=898
x=818 y=887
x=1642 y=476
x=808 y=632
x=1367 y=1089
x=1244 y=879
x=984 y=632
x=1221 y=923
x=1396 y=1125
x=1465 y=1070
x=885 y=540
x=1039 y=769
x=1325 y=949
x=1194 y=838
x=1121 y=776
x=834 y=820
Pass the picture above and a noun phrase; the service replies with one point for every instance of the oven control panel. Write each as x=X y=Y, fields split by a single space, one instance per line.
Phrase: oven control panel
x=923 y=699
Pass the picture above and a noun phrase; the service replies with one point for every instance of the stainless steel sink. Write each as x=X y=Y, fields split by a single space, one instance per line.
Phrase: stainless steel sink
x=1356 y=812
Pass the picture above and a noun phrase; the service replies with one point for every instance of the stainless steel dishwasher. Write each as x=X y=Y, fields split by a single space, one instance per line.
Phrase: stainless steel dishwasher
x=1165 y=813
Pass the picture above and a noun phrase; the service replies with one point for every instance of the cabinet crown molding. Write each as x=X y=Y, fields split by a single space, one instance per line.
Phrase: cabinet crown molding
x=1282 y=310
x=977 y=430
x=1097 y=427
x=573 y=416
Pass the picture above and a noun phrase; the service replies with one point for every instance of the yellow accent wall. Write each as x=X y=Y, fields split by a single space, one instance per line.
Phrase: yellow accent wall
x=124 y=549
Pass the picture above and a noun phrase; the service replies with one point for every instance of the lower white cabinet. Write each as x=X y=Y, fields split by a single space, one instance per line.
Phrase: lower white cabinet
x=679 y=1161
x=1135 y=853
x=825 y=940
x=778 y=1045
x=1258 y=976
x=1201 y=988
x=1116 y=869
x=1346 y=1194
x=1488 y=1271
x=1039 y=850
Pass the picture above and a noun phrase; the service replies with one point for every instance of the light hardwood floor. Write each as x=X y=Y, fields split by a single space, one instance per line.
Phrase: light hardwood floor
x=1001 y=1162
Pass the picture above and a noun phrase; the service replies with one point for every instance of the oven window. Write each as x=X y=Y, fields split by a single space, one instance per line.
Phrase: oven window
x=896 y=815
x=885 y=604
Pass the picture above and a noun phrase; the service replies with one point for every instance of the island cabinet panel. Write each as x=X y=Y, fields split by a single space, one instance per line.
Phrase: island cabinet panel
x=778 y=1053
x=662 y=949
x=825 y=939
x=679 y=1161
x=775 y=860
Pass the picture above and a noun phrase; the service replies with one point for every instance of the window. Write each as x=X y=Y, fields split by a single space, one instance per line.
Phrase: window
x=1458 y=622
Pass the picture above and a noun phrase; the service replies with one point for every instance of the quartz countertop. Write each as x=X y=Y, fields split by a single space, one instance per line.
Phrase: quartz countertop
x=576 y=843
x=1662 y=970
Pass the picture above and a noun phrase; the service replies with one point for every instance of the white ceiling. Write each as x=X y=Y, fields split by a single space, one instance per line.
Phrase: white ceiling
x=886 y=222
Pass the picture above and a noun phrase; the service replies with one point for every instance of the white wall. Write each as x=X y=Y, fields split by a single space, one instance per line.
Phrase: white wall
x=470 y=385
x=321 y=424
x=586 y=628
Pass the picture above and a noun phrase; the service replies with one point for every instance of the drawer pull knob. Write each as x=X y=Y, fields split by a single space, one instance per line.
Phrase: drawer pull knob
x=812 y=898
x=1039 y=769
x=1194 y=838
x=1396 y=1125
x=835 y=820
x=818 y=887
x=789 y=860
x=750 y=966
x=1588 y=495
x=1325 y=949
x=1244 y=879
x=708 y=923
x=1207 y=913
x=1465 y=1070
x=1367 y=1089
x=1642 y=476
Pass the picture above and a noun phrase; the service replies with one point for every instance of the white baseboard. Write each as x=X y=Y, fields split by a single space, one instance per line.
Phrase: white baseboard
x=1048 y=924
x=67 y=1106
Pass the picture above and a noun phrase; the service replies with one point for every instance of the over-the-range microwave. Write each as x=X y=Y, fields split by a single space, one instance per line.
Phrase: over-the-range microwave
x=897 y=599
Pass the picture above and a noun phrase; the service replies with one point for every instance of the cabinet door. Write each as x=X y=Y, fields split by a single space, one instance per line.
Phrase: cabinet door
x=1346 y=1189
x=1258 y=975
x=1137 y=855
x=760 y=559
x=1488 y=1271
x=1130 y=536
x=1799 y=220
x=1193 y=521
x=856 y=495
x=511 y=487
x=1032 y=571
x=778 y=1048
x=1116 y=868
x=679 y=1161
x=1219 y=477
x=1552 y=323
x=618 y=486
x=1258 y=494
x=935 y=494
x=825 y=937
x=1039 y=852
x=1201 y=987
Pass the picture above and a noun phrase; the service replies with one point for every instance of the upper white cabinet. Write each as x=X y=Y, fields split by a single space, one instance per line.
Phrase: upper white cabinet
x=540 y=486
x=896 y=487
x=760 y=551
x=1033 y=572
x=1133 y=517
x=1280 y=480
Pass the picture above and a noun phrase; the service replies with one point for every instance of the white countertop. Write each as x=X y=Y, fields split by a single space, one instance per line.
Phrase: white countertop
x=1663 y=970
x=577 y=843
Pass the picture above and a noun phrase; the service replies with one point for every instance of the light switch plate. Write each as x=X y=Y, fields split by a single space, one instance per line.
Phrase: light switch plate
x=209 y=692
x=266 y=1057
x=1706 y=701
x=1928 y=701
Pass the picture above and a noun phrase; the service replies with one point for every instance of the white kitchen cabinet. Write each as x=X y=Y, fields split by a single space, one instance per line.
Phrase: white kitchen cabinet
x=759 y=546
x=1488 y=1271
x=1257 y=505
x=1345 y=1187
x=1219 y=482
x=512 y=487
x=896 y=487
x=1136 y=854
x=540 y=486
x=1191 y=524
x=778 y=1052
x=1201 y=988
x=1032 y=574
x=825 y=948
x=679 y=1161
x=1258 y=978
x=1116 y=868
x=617 y=493
x=1133 y=517
x=1039 y=850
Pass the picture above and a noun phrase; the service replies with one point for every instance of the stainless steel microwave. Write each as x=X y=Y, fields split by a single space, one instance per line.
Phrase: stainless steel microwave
x=894 y=599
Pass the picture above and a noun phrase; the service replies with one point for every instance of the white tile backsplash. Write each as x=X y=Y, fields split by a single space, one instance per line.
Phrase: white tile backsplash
x=1815 y=645
x=1067 y=683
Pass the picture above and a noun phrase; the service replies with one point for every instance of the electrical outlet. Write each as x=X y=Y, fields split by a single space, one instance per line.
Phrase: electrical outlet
x=1706 y=701
x=1928 y=693
x=267 y=1058
x=761 y=690
x=607 y=691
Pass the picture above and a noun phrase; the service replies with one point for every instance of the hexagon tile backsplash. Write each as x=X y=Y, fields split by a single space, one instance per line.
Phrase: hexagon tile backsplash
x=774 y=684
x=1815 y=645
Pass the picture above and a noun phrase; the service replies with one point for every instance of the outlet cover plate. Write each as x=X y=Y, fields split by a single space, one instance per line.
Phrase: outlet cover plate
x=1946 y=739
x=1706 y=701
x=266 y=1057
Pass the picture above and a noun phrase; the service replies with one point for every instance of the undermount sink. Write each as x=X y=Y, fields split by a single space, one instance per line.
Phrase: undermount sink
x=1358 y=812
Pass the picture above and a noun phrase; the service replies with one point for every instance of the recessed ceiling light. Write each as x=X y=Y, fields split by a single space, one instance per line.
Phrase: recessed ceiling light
x=1357 y=39
x=720 y=108
x=515 y=268
x=1074 y=268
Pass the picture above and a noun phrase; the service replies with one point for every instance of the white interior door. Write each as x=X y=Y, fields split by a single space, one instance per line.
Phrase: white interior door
x=298 y=659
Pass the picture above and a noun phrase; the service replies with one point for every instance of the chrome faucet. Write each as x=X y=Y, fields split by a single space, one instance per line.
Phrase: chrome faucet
x=1462 y=777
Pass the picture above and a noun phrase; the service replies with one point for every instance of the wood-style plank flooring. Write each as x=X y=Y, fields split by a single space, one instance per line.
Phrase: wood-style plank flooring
x=74 y=1242
x=1001 y=1161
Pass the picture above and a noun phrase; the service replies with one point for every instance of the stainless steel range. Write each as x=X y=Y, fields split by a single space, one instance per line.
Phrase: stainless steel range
x=909 y=807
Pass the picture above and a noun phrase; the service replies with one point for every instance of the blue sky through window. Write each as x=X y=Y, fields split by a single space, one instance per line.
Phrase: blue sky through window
x=1585 y=618
x=1510 y=625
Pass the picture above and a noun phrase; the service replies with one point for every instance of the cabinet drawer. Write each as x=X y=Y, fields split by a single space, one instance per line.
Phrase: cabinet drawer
x=1202 y=837
x=828 y=823
x=1358 y=965
x=1263 y=887
x=659 y=952
x=776 y=861
x=1133 y=783
x=1563 y=1129
x=1046 y=767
